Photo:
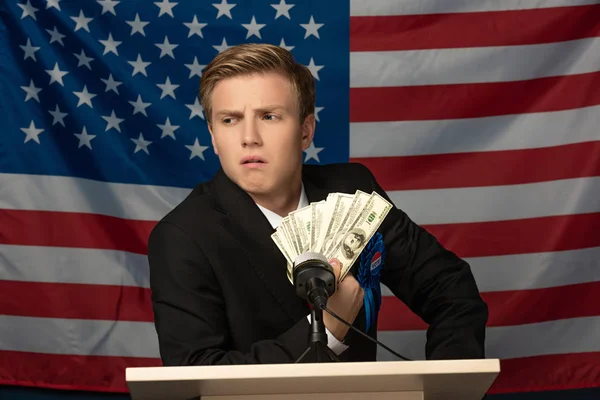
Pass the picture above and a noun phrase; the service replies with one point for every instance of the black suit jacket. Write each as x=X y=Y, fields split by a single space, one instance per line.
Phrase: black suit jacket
x=221 y=295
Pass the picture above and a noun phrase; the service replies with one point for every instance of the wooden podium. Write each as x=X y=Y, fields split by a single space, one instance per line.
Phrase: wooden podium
x=399 y=380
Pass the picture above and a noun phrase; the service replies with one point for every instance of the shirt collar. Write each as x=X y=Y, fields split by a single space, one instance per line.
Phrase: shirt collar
x=275 y=219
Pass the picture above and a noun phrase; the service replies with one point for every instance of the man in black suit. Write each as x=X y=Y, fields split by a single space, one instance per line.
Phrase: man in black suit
x=220 y=291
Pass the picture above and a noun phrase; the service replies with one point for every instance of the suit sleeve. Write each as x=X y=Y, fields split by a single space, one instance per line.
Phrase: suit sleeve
x=435 y=284
x=189 y=311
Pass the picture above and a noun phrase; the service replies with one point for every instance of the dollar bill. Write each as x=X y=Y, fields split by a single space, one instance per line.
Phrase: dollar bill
x=316 y=216
x=333 y=217
x=301 y=222
x=353 y=240
x=338 y=227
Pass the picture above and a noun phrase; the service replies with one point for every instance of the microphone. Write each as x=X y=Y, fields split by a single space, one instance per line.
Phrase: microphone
x=315 y=282
x=314 y=278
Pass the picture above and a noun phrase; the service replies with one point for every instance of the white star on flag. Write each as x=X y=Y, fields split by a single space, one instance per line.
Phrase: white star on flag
x=288 y=48
x=196 y=109
x=312 y=152
x=82 y=22
x=83 y=59
x=85 y=97
x=222 y=47
x=56 y=36
x=253 y=28
x=84 y=138
x=166 y=48
x=56 y=75
x=57 y=116
x=53 y=3
x=224 y=9
x=137 y=26
x=141 y=144
x=139 y=66
x=112 y=121
x=110 y=45
x=28 y=10
x=108 y=6
x=314 y=69
x=195 y=27
x=32 y=91
x=111 y=84
x=196 y=150
x=29 y=50
x=168 y=89
x=166 y=7
x=283 y=9
x=32 y=133
x=311 y=28
x=195 y=68
x=168 y=129
x=139 y=106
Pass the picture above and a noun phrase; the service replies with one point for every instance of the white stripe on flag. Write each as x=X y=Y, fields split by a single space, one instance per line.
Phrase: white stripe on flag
x=544 y=338
x=500 y=203
x=79 y=337
x=494 y=273
x=532 y=271
x=506 y=132
x=411 y=7
x=474 y=65
x=59 y=193
x=436 y=206
x=137 y=339
x=73 y=265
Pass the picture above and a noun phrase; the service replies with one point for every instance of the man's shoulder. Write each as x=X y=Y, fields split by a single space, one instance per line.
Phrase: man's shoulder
x=348 y=172
x=196 y=207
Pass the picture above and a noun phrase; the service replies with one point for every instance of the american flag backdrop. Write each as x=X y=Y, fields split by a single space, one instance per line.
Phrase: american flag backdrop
x=480 y=118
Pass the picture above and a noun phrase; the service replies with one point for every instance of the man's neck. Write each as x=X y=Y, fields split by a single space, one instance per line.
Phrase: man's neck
x=281 y=204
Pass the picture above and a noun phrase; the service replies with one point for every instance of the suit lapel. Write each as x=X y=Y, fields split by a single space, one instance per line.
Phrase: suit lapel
x=253 y=232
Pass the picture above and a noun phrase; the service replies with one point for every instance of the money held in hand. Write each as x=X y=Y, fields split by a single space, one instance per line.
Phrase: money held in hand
x=339 y=227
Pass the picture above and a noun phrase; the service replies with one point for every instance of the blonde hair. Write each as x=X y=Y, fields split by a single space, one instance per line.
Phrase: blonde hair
x=257 y=58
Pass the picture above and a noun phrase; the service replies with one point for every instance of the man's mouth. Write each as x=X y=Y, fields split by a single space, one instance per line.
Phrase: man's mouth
x=253 y=160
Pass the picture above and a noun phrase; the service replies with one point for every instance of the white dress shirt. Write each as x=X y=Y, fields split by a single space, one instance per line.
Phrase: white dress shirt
x=275 y=219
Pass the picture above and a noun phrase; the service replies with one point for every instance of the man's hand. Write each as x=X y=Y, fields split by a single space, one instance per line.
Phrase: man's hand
x=345 y=302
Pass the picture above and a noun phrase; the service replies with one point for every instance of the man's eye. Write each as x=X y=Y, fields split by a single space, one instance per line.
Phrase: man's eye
x=271 y=117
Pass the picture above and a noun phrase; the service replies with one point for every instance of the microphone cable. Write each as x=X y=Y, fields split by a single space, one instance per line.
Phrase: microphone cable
x=324 y=307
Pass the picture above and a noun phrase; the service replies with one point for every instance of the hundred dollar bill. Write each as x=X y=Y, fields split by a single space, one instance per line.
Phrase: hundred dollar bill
x=316 y=215
x=283 y=247
x=290 y=236
x=358 y=234
x=348 y=217
x=301 y=223
x=337 y=212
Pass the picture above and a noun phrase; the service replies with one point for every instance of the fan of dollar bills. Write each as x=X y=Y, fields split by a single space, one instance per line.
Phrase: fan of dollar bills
x=338 y=227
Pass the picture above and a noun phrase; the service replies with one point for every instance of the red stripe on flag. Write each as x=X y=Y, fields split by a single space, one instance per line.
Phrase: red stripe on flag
x=82 y=301
x=70 y=372
x=486 y=168
x=474 y=29
x=548 y=372
x=550 y=305
x=473 y=100
x=67 y=229
x=59 y=300
x=476 y=239
x=520 y=236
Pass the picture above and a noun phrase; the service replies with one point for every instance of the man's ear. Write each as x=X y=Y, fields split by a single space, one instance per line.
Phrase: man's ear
x=308 y=130
x=212 y=139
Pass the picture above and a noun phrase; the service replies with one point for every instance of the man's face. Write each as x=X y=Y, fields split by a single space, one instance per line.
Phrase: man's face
x=257 y=134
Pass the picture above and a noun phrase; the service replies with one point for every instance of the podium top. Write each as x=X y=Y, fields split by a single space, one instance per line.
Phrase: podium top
x=447 y=379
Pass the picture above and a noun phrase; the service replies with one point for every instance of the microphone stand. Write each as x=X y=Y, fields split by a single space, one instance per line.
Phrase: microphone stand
x=317 y=339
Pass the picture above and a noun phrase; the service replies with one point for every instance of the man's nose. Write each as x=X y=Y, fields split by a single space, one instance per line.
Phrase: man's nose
x=251 y=134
